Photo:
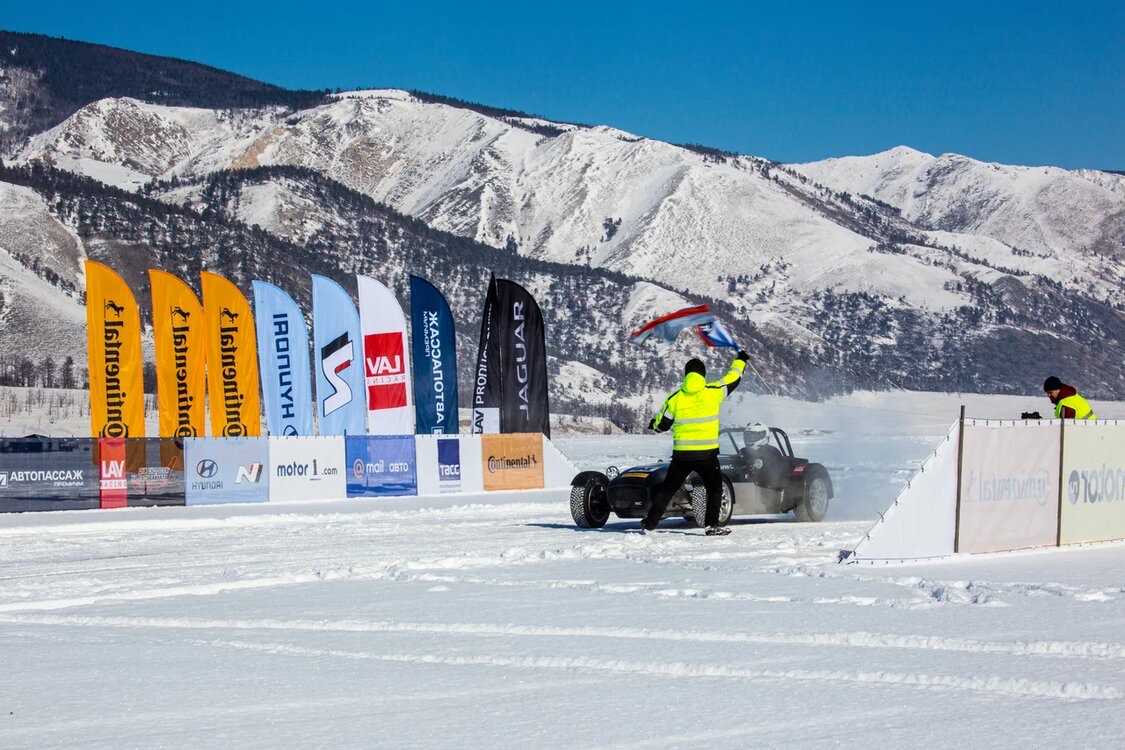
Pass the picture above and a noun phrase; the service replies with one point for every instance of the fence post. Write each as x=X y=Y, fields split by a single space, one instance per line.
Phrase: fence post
x=960 y=456
x=1062 y=481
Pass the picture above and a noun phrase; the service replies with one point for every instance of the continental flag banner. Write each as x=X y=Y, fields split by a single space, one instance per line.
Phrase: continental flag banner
x=232 y=359
x=113 y=346
x=177 y=326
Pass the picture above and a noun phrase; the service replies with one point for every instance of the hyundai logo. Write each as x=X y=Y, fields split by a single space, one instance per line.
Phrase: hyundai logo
x=206 y=468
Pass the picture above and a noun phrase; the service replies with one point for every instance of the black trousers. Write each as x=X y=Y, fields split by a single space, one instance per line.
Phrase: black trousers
x=678 y=471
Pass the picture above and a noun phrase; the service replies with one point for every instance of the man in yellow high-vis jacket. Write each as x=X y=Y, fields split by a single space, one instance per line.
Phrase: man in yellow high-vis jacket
x=692 y=413
x=1068 y=403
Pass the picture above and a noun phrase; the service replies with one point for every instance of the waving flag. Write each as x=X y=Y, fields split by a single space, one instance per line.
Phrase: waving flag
x=716 y=334
x=667 y=327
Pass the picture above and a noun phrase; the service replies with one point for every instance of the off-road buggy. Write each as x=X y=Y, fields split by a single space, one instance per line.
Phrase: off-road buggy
x=760 y=476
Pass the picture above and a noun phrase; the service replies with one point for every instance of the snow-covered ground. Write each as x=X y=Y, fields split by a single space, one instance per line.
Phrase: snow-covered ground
x=492 y=621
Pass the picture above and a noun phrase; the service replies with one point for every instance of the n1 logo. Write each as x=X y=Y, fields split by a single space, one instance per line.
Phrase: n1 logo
x=335 y=357
x=251 y=474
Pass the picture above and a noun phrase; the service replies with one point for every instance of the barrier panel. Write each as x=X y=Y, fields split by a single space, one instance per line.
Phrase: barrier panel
x=159 y=477
x=39 y=473
x=512 y=461
x=448 y=464
x=1093 y=502
x=381 y=465
x=306 y=468
x=226 y=470
x=920 y=523
x=1009 y=486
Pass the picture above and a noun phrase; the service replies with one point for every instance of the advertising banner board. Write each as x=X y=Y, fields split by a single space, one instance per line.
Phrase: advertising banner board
x=159 y=478
x=1009 y=487
x=306 y=468
x=512 y=461
x=1093 y=501
x=338 y=360
x=448 y=465
x=226 y=470
x=40 y=473
x=381 y=465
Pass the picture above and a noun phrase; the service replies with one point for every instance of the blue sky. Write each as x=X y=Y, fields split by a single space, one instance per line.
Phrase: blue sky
x=1013 y=82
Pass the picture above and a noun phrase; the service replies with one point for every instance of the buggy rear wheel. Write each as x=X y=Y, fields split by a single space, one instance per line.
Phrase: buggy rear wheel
x=699 y=504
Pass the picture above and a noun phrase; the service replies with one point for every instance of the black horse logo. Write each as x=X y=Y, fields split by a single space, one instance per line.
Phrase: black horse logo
x=226 y=313
x=179 y=312
x=115 y=308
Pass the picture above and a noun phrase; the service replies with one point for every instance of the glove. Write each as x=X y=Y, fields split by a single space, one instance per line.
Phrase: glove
x=743 y=355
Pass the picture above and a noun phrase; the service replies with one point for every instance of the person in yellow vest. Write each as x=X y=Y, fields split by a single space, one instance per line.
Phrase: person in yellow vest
x=692 y=413
x=1068 y=404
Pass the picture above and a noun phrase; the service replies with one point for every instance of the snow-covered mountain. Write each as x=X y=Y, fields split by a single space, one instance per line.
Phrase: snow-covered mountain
x=1047 y=211
x=895 y=269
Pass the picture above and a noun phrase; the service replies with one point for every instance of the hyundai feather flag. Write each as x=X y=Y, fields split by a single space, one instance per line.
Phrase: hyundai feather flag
x=486 y=376
x=338 y=357
x=386 y=360
x=435 y=359
x=667 y=327
x=283 y=361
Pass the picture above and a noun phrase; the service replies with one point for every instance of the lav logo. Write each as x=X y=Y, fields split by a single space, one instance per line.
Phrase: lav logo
x=251 y=474
x=206 y=468
x=385 y=370
x=113 y=475
x=449 y=460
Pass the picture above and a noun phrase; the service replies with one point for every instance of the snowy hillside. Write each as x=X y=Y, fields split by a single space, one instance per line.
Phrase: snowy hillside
x=1045 y=211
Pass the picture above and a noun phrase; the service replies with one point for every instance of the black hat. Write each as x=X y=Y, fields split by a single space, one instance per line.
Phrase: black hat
x=1051 y=384
x=695 y=365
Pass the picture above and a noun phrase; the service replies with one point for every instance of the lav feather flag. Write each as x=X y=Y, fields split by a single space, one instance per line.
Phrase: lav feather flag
x=386 y=360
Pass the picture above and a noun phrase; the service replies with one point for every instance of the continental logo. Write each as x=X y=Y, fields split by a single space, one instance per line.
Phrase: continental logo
x=113 y=331
x=1022 y=486
x=184 y=400
x=518 y=463
x=228 y=369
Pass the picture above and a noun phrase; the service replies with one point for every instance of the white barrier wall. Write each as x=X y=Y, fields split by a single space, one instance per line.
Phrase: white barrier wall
x=1009 y=493
x=920 y=523
x=1093 y=495
x=307 y=468
x=1009 y=486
